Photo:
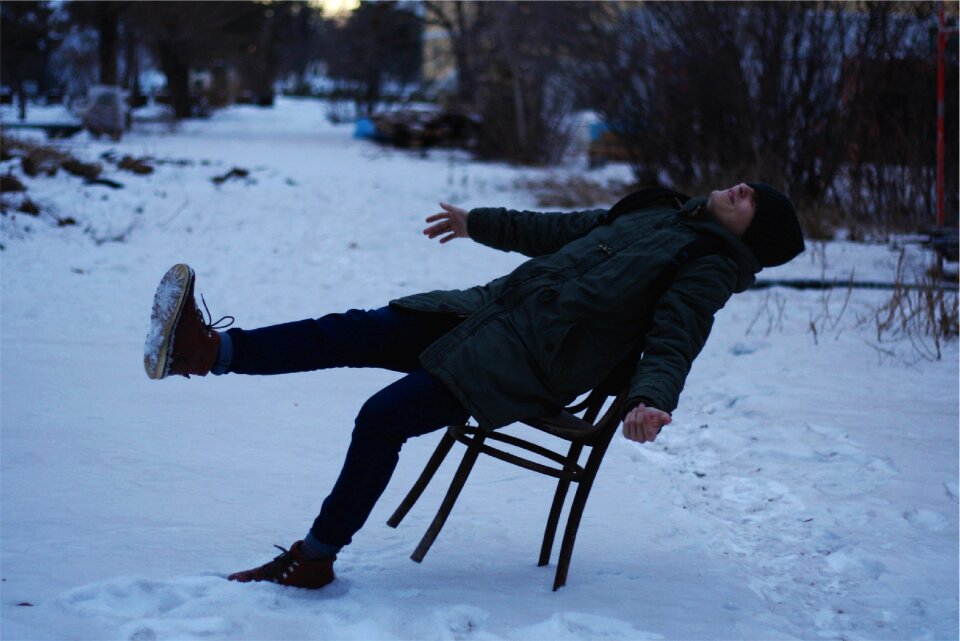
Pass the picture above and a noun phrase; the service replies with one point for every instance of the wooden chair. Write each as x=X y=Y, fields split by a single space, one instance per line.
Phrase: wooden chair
x=580 y=432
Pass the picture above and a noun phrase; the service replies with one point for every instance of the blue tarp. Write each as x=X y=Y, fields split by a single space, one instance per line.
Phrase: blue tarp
x=365 y=129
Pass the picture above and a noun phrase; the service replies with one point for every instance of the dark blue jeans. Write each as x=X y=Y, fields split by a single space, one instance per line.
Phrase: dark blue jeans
x=416 y=404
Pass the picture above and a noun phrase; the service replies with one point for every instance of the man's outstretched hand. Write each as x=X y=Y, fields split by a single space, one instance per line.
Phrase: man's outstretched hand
x=642 y=424
x=450 y=223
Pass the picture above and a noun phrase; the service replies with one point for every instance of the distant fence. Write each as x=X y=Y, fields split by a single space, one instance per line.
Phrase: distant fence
x=805 y=283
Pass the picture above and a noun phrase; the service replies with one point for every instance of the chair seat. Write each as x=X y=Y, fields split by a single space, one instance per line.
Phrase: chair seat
x=564 y=425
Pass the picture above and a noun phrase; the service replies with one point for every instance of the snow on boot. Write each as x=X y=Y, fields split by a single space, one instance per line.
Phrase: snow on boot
x=180 y=341
x=291 y=568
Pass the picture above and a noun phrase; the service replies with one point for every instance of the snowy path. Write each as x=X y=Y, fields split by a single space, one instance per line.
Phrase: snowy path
x=804 y=491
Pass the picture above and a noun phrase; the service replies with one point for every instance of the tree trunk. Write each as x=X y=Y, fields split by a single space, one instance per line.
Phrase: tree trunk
x=519 y=111
x=370 y=96
x=462 y=54
x=131 y=76
x=22 y=98
x=108 y=29
x=178 y=81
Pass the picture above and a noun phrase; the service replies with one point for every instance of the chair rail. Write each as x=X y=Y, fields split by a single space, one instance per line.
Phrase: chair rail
x=571 y=472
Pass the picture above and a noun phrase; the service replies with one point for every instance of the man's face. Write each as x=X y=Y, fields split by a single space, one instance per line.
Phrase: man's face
x=734 y=207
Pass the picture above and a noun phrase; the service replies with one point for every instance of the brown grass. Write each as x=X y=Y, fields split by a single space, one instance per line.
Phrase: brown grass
x=575 y=192
x=926 y=314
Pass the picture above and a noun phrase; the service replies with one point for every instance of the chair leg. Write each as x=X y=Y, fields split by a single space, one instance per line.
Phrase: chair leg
x=436 y=459
x=570 y=534
x=563 y=485
x=469 y=458
x=576 y=512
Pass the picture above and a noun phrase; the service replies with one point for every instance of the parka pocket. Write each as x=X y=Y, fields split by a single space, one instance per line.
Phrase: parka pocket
x=578 y=363
x=567 y=361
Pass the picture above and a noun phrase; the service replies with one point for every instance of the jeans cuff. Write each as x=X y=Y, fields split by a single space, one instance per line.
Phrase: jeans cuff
x=224 y=355
x=314 y=548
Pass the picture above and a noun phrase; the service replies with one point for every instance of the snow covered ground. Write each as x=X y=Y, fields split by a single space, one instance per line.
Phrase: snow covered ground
x=807 y=489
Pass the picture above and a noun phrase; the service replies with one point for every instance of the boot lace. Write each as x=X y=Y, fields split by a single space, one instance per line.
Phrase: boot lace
x=273 y=570
x=221 y=323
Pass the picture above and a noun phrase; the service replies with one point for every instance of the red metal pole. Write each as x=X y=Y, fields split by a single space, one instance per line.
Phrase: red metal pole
x=941 y=43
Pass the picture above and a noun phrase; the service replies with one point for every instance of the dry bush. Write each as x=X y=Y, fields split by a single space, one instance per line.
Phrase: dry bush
x=88 y=170
x=575 y=191
x=135 y=165
x=9 y=182
x=826 y=319
x=822 y=222
x=19 y=148
x=831 y=101
x=27 y=206
x=41 y=160
x=925 y=314
x=38 y=159
x=771 y=311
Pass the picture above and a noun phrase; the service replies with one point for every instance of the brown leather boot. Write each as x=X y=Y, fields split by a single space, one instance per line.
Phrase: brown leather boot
x=180 y=341
x=291 y=568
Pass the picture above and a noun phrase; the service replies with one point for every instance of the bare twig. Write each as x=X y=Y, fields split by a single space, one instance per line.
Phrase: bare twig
x=924 y=315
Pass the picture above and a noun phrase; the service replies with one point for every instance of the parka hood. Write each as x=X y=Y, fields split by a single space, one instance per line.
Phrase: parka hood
x=696 y=214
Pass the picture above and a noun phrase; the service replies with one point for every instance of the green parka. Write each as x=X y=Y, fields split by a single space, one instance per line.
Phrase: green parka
x=554 y=328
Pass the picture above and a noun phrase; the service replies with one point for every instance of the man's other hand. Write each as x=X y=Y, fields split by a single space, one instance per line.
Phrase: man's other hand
x=450 y=223
x=642 y=424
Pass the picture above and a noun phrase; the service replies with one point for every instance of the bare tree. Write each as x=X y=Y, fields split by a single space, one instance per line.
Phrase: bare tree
x=298 y=37
x=709 y=93
x=465 y=25
x=509 y=59
x=380 y=42
x=186 y=34
x=29 y=34
x=892 y=139
x=105 y=18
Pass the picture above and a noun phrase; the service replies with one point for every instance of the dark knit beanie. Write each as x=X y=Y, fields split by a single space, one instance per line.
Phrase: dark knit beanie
x=774 y=235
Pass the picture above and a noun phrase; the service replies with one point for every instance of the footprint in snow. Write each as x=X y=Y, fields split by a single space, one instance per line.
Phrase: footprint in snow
x=850 y=472
x=951 y=489
x=132 y=597
x=461 y=620
x=186 y=608
x=744 y=348
x=760 y=498
x=829 y=431
x=570 y=626
x=181 y=629
x=854 y=566
x=925 y=520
